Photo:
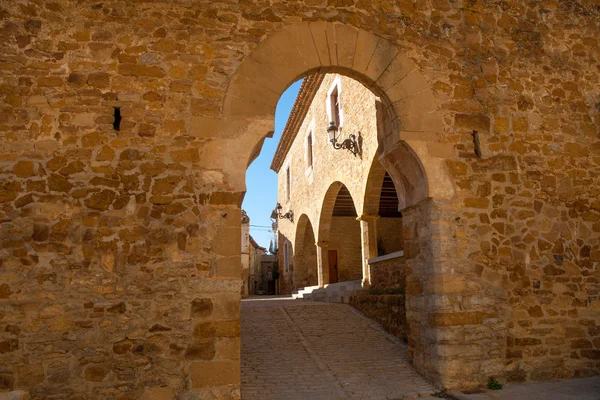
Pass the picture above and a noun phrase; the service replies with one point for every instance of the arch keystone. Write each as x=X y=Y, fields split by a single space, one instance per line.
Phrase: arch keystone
x=319 y=34
x=302 y=37
x=345 y=44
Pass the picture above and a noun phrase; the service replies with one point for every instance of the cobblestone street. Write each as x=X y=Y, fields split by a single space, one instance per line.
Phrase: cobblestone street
x=293 y=349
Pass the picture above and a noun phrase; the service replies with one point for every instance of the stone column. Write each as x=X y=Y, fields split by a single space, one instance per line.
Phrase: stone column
x=322 y=262
x=368 y=229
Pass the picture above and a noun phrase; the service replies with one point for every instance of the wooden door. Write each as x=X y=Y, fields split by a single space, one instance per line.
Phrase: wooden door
x=333 y=265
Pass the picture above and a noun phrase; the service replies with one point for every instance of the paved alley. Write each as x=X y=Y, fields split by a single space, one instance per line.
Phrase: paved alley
x=293 y=349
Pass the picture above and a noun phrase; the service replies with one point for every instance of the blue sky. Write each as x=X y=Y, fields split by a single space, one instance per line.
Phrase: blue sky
x=261 y=181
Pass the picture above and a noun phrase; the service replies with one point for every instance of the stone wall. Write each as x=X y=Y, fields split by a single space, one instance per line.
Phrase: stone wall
x=389 y=274
x=389 y=235
x=120 y=266
x=387 y=310
x=345 y=238
x=305 y=260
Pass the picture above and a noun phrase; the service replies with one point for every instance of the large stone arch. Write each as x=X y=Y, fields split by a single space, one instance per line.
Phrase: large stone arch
x=305 y=254
x=410 y=138
x=409 y=102
x=298 y=50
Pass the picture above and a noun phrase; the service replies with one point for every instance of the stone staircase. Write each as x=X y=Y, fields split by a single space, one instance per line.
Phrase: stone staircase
x=331 y=293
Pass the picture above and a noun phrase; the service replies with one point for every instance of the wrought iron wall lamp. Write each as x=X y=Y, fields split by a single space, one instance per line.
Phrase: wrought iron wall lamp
x=349 y=144
x=288 y=215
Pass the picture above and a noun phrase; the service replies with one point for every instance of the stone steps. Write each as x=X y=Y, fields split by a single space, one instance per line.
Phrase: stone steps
x=339 y=292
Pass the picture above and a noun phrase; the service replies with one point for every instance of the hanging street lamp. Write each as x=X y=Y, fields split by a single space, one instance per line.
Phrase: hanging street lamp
x=349 y=144
x=288 y=215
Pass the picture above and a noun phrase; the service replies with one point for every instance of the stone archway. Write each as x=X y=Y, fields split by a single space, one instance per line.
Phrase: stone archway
x=305 y=255
x=409 y=111
x=412 y=128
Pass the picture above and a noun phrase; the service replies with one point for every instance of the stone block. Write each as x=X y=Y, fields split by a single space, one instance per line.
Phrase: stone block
x=319 y=34
x=408 y=86
x=401 y=78
x=161 y=393
x=383 y=55
x=441 y=150
x=244 y=108
x=201 y=308
x=428 y=125
x=84 y=119
x=419 y=104
x=227 y=267
x=477 y=122
x=15 y=395
x=302 y=38
x=345 y=44
x=446 y=284
x=215 y=373
x=456 y=318
x=366 y=43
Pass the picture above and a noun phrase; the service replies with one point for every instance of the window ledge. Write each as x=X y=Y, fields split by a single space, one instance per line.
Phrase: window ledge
x=386 y=257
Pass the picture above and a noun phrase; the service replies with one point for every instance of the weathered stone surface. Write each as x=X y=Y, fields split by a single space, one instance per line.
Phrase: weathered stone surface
x=101 y=200
x=523 y=76
x=201 y=308
x=219 y=373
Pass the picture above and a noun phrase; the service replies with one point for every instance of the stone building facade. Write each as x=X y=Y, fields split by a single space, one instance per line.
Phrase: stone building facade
x=256 y=255
x=320 y=184
x=126 y=129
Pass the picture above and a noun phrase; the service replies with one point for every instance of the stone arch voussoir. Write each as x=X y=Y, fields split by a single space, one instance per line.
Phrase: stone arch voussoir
x=297 y=50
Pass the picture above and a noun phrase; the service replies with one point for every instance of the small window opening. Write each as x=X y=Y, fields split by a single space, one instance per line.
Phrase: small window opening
x=117 y=121
x=335 y=106
x=309 y=151
x=476 y=144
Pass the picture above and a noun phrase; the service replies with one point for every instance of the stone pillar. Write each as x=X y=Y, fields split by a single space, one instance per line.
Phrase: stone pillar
x=322 y=262
x=368 y=229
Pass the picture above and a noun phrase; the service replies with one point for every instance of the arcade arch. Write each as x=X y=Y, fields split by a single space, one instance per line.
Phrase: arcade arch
x=407 y=135
x=305 y=255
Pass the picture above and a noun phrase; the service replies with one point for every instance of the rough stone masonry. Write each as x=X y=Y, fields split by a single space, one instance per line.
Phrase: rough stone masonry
x=119 y=240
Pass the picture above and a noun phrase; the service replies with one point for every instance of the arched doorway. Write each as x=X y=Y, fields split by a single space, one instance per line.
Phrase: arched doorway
x=339 y=237
x=305 y=255
x=410 y=129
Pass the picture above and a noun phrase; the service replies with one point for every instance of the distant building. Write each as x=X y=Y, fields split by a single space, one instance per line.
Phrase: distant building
x=339 y=209
x=256 y=255
x=269 y=274
x=245 y=252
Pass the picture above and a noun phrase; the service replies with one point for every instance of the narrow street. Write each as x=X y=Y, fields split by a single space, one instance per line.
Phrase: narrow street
x=294 y=349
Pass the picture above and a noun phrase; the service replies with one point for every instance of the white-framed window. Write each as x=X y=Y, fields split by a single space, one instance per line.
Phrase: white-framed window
x=286 y=259
x=335 y=113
